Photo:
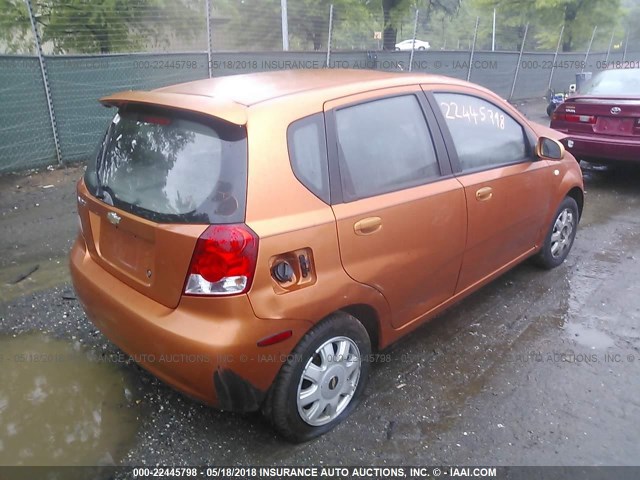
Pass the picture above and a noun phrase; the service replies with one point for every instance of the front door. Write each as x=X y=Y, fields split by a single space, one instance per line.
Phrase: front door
x=507 y=190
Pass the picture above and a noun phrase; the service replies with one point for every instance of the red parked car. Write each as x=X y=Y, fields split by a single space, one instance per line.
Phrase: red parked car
x=602 y=121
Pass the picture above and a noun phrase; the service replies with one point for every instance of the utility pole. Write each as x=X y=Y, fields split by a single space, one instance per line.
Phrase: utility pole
x=413 y=42
x=609 y=49
x=586 y=57
x=473 y=49
x=515 y=76
x=45 y=80
x=285 y=25
x=330 y=34
x=209 y=40
x=493 y=35
x=555 y=57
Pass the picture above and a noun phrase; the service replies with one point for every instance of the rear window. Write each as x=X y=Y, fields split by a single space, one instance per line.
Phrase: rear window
x=171 y=167
x=613 y=82
x=308 y=153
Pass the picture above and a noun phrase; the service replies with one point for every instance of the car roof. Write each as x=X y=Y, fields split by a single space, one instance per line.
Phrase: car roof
x=252 y=88
x=227 y=96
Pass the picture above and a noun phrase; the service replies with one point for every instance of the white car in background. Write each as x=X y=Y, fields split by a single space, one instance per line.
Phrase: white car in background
x=408 y=45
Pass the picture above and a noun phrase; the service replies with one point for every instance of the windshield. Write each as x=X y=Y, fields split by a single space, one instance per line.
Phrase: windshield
x=613 y=82
x=172 y=168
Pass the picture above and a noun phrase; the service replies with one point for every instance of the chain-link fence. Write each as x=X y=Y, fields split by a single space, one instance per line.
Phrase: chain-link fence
x=58 y=57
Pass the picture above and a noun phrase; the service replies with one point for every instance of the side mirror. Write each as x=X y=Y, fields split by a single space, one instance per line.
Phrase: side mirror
x=549 y=149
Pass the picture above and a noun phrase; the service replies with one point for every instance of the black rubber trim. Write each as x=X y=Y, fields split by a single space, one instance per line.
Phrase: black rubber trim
x=235 y=394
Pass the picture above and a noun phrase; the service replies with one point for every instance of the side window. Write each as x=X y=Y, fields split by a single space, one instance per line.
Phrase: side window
x=384 y=146
x=308 y=154
x=484 y=135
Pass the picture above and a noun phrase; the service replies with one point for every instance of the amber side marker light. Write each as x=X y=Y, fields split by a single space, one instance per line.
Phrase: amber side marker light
x=277 y=338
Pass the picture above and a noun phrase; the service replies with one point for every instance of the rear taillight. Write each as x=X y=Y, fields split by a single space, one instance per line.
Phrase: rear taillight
x=572 y=117
x=223 y=262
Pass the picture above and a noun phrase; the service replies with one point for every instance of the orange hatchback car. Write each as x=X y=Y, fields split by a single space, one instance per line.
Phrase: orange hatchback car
x=252 y=239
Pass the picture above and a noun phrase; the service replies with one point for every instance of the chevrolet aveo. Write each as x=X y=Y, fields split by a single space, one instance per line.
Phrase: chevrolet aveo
x=251 y=240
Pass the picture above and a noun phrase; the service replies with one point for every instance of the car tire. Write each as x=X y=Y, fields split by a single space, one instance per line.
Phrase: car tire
x=550 y=109
x=322 y=381
x=559 y=238
x=421 y=48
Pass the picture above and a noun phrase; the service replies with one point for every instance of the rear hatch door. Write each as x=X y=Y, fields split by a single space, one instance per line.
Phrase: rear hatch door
x=158 y=180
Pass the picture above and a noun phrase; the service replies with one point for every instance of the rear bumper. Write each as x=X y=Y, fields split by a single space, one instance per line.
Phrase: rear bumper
x=206 y=347
x=603 y=148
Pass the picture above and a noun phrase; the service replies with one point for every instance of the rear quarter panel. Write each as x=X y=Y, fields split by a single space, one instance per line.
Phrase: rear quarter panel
x=287 y=217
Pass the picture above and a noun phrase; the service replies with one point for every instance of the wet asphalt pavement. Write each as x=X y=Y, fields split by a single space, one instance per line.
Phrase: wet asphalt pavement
x=538 y=368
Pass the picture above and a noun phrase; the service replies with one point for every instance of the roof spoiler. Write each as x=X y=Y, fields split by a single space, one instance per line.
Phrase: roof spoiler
x=224 y=109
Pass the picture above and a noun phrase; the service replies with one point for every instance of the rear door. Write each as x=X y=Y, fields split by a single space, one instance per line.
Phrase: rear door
x=507 y=190
x=401 y=215
x=159 y=179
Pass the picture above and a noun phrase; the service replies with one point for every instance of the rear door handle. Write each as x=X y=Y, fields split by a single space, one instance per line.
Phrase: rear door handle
x=484 y=194
x=367 y=226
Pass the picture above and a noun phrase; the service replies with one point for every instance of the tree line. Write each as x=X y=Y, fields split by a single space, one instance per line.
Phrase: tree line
x=113 y=26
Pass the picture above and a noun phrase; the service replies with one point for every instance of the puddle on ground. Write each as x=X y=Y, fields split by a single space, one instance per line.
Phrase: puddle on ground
x=37 y=276
x=57 y=407
x=589 y=337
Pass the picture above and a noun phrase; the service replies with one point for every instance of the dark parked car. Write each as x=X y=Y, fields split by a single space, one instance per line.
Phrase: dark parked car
x=602 y=121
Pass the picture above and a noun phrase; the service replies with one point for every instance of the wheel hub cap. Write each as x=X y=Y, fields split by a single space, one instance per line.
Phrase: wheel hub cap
x=329 y=381
x=562 y=232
